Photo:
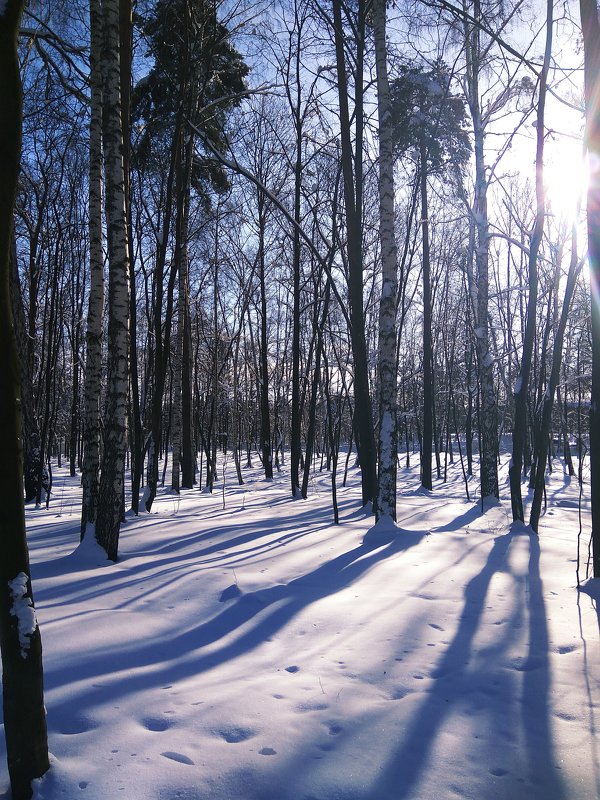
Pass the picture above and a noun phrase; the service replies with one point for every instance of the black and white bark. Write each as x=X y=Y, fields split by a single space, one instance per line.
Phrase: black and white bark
x=480 y=286
x=93 y=361
x=428 y=401
x=388 y=383
x=112 y=476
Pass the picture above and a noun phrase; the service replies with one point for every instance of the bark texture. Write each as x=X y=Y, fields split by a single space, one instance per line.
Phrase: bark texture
x=388 y=384
x=112 y=476
x=93 y=361
x=480 y=291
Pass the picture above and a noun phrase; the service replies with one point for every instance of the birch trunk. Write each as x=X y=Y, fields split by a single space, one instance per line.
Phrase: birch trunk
x=485 y=361
x=112 y=477
x=426 y=476
x=388 y=384
x=93 y=361
x=20 y=642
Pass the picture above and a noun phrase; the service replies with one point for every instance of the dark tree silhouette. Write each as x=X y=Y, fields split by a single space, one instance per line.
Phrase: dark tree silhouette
x=20 y=641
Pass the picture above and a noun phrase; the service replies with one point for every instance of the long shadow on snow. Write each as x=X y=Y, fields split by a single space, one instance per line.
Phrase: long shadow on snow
x=177 y=658
x=462 y=521
x=456 y=683
x=162 y=559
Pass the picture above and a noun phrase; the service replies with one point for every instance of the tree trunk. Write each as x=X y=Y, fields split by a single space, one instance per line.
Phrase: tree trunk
x=93 y=361
x=31 y=431
x=312 y=408
x=296 y=420
x=522 y=385
x=352 y=170
x=388 y=382
x=135 y=427
x=548 y=402
x=112 y=477
x=20 y=641
x=162 y=344
x=426 y=477
x=485 y=362
x=265 y=414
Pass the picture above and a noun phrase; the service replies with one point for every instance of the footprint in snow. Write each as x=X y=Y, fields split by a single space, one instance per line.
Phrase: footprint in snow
x=179 y=757
x=236 y=735
x=71 y=727
x=528 y=664
x=435 y=626
x=498 y=772
x=267 y=751
x=567 y=648
x=292 y=669
x=565 y=716
x=304 y=707
x=156 y=724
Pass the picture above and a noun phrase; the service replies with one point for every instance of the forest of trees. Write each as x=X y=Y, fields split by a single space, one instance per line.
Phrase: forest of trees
x=286 y=231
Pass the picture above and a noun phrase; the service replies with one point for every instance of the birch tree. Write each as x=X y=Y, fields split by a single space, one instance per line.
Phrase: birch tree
x=93 y=361
x=480 y=281
x=112 y=476
x=388 y=383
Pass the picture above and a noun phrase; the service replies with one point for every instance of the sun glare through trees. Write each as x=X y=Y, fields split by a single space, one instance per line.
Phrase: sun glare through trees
x=297 y=268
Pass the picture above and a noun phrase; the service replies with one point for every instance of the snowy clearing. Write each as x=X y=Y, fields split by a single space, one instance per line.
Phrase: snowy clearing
x=261 y=652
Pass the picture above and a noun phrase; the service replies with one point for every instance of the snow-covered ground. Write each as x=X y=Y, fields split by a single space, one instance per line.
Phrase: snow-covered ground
x=246 y=648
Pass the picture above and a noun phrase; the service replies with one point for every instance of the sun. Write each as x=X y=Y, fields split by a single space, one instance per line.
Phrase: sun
x=565 y=180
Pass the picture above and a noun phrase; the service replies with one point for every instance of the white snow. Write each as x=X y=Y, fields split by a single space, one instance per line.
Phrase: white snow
x=23 y=610
x=262 y=653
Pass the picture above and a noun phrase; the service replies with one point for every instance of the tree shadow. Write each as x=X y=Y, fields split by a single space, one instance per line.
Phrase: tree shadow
x=464 y=677
x=243 y=625
x=592 y=589
x=463 y=520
